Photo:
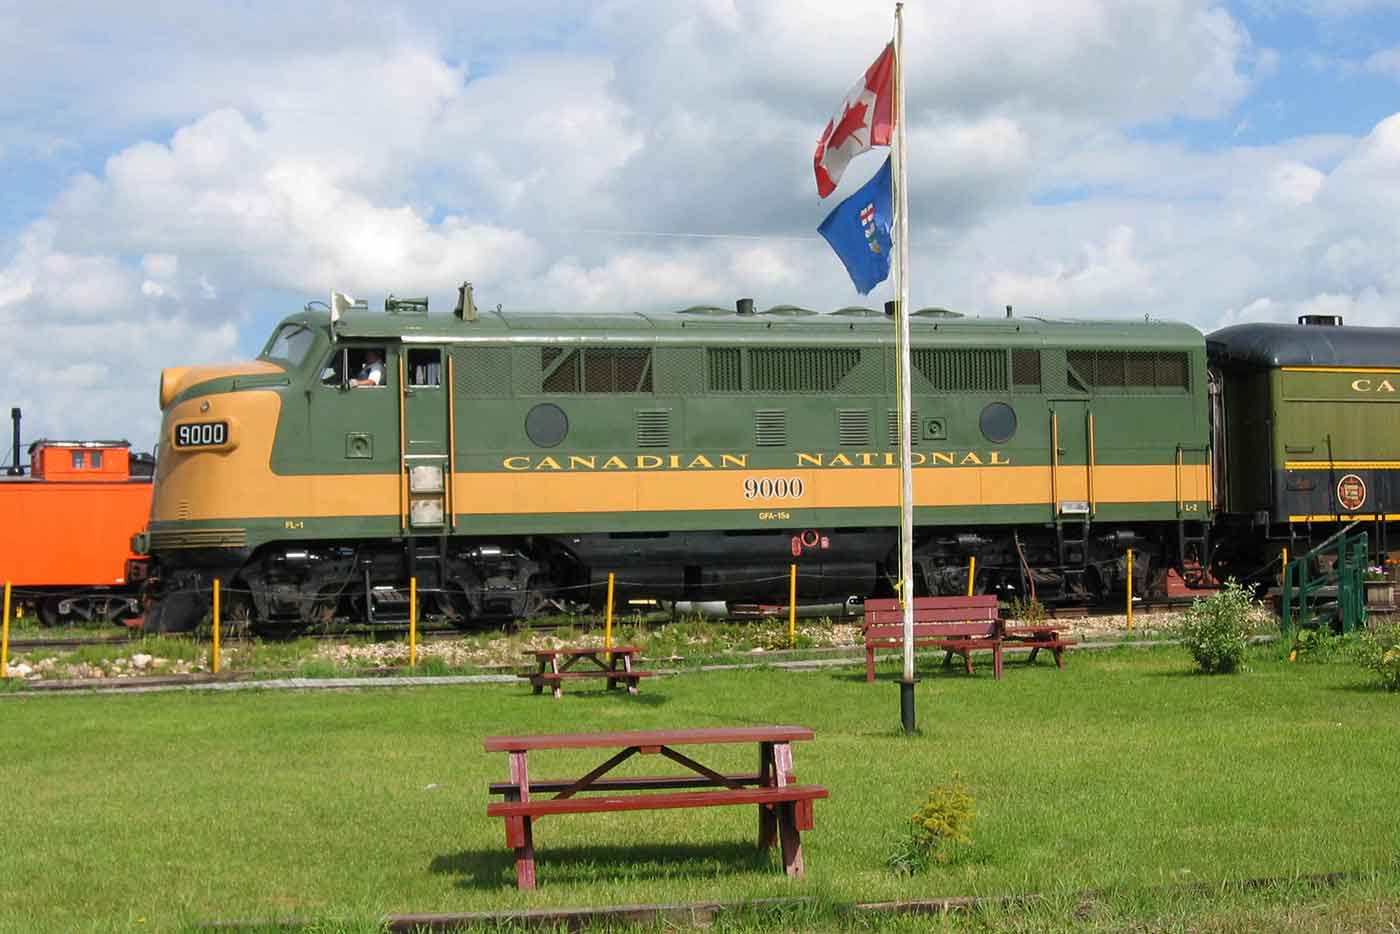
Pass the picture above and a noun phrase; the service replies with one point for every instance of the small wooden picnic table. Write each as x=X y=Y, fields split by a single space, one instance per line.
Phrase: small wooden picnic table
x=1037 y=638
x=554 y=666
x=784 y=808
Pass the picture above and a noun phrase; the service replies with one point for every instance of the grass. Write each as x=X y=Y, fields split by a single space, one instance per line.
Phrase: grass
x=1123 y=774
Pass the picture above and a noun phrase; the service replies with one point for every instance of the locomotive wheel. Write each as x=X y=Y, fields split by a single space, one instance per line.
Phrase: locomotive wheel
x=48 y=611
x=176 y=612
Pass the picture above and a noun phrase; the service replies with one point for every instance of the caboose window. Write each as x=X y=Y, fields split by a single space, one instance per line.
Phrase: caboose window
x=77 y=460
x=95 y=459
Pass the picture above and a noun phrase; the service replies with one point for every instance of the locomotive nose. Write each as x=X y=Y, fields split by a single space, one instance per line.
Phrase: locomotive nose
x=171 y=380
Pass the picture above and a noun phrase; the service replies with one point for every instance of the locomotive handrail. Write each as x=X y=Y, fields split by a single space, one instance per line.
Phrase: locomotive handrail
x=1327 y=541
x=451 y=448
x=403 y=450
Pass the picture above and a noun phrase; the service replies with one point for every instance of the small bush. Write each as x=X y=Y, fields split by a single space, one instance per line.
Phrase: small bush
x=1213 y=628
x=1319 y=644
x=1028 y=612
x=1378 y=651
x=942 y=822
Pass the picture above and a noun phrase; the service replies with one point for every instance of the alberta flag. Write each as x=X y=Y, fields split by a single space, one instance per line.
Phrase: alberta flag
x=859 y=231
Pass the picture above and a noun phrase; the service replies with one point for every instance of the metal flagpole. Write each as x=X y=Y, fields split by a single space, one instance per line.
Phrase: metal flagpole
x=901 y=315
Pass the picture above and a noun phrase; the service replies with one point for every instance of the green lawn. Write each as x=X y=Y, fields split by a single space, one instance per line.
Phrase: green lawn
x=1124 y=773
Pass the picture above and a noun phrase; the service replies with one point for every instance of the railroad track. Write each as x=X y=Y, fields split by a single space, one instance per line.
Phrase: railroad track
x=65 y=642
x=438 y=633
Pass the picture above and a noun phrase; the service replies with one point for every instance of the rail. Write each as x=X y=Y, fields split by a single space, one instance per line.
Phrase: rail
x=1335 y=594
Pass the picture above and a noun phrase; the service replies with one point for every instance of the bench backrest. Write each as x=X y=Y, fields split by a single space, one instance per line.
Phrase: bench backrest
x=979 y=608
x=895 y=633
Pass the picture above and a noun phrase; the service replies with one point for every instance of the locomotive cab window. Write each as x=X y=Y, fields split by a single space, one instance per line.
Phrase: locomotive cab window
x=356 y=367
x=366 y=367
x=425 y=368
x=290 y=344
x=333 y=373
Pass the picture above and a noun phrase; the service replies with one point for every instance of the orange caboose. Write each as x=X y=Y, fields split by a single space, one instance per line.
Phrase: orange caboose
x=68 y=528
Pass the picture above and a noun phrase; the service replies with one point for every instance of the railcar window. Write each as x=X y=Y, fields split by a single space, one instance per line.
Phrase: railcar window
x=95 y=459
x=425 y=368
x=77 y=460
x=291 y=344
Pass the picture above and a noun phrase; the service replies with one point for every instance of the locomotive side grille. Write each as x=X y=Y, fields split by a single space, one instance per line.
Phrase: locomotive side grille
x=653 y=428
x=725 y=373
x=853 y=427
x=199 y=538
x=595 y=369
x=801 y=369
x=1136 y=370
x=1172 y=370
x=962 y=370
x=559 y=370
x=1025 y=369
x=770 y=427
x=631 y=369
x=679 y=370
x=482 y=372
x=892 y=427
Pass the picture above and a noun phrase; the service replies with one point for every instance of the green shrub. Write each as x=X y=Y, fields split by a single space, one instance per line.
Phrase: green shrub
x=1213 y=628
x=1378 y=651
x=940 y=823
x=1319 y=644
x=1028 y=612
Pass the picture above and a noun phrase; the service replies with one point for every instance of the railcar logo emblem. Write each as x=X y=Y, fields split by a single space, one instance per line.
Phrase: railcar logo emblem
x=1351 y=492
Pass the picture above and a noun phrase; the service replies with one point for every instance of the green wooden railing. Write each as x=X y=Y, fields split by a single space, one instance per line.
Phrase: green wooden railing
x=1335 y=597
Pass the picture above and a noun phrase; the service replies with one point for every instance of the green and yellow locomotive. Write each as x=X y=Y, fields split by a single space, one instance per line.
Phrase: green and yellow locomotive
x=508 y=460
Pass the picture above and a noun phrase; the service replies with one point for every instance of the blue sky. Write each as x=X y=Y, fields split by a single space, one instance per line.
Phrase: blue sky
x=178 y=176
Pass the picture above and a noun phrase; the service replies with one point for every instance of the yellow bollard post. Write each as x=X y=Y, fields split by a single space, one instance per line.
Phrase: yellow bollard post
x=792 y=608
x=413 y=622
x=5 y=639
x=971 y=573
x=1130 y=588
x=607 y=617
x=214 y=661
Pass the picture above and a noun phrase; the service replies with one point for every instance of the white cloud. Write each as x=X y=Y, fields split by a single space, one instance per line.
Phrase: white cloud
x=396 y=149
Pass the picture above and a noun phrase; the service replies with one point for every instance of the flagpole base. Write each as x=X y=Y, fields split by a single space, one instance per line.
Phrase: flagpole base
x=906 y=705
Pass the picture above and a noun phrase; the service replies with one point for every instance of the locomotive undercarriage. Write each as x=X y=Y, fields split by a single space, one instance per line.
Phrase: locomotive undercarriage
x=290 y=586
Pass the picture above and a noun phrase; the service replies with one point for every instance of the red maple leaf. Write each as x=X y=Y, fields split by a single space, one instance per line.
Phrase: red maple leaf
x=852 y=120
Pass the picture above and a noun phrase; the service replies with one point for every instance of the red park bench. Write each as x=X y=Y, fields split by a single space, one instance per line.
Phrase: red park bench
x=958 y=625
x=784 y=808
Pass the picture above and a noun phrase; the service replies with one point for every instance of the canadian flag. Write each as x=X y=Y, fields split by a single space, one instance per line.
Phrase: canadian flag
x=864 y=120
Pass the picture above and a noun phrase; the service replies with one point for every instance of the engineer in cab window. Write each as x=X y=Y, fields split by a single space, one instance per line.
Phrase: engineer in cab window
x=372 y=373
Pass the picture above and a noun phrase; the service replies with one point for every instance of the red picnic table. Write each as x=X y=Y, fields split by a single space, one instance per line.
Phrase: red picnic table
x=784 y=808
x=555 y=666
